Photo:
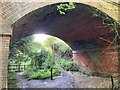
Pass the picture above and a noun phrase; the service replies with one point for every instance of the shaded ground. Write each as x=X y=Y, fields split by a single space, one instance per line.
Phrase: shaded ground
x=59 y=82
x=70 y=80
x=84 y=81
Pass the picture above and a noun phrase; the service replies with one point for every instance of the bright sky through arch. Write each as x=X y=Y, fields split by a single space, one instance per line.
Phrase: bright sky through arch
x=40 y=38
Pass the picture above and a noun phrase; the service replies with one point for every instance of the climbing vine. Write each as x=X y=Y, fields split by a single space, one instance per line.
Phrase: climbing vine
x=108 y=21
x=63 y=7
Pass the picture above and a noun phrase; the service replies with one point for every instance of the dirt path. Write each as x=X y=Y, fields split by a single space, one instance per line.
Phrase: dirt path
x=71 y=80
x=84 y=81
x=57 y=82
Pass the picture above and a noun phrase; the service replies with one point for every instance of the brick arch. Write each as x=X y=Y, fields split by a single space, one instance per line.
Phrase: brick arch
x=107 y=62
x=21 y=26
x=78 y=28
x=14 y=11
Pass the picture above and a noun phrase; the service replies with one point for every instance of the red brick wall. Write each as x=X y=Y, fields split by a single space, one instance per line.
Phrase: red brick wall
x=4 y=40
x=83 y=60
x=107 y=63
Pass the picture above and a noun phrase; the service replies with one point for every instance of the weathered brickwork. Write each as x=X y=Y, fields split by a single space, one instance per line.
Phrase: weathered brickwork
x=4 y=59
x=82 y=60
x=13 y=11
x=107 y=63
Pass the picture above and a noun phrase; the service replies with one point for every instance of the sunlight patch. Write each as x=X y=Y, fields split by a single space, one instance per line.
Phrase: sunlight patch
x=40 y=38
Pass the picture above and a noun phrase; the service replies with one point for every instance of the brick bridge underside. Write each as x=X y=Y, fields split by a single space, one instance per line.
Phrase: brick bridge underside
x=85 y=33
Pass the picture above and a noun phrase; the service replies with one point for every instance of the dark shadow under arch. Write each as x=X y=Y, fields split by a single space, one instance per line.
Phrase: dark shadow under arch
x=76 y=26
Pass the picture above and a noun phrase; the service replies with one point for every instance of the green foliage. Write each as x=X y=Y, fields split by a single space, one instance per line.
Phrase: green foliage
x=63 y=7
x=29 y=71
x=38 y=58
x=42 y=57
x=68 y=65
x=49 y=62
x=56 y=71
x=41 y=74
x=11 y=80
x=87 y=73
x=116 y=86
x=20 y=50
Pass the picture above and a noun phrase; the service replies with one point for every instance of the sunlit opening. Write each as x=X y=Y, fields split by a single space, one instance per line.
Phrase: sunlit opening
x=40 y=38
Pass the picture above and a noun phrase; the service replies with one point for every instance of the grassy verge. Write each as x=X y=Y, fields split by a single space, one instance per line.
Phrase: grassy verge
x=11 y=80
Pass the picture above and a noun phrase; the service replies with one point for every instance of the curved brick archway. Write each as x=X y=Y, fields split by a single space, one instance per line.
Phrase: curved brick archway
x=13 y=11
x=82 y=31
x=79 y=29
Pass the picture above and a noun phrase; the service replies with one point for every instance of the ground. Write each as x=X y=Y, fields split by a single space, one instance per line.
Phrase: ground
x=71 y=80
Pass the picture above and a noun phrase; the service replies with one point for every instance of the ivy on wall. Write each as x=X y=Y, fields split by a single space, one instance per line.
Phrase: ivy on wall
x=63 y=7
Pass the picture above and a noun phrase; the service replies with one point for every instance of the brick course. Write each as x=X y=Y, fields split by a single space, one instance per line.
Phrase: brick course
x=12 y=12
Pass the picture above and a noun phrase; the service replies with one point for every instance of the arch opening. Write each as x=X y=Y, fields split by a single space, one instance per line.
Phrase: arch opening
x=83 y=32
x=40 y=57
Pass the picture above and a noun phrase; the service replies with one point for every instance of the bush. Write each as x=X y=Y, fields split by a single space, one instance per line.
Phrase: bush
x=33 y=76
x=41 y=74
x=44 y=72
x=12 y=83
x=56 y=71
x=28 y=72
x=68 y=65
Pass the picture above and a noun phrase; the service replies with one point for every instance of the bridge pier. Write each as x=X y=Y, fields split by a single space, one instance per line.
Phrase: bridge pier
x=4 y=52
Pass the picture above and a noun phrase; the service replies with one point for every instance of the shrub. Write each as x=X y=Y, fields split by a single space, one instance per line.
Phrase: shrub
x=28 y=72
x=40 y=74
x=45 y=75
x=12 y=83
x=68 y=65
x=56 y=71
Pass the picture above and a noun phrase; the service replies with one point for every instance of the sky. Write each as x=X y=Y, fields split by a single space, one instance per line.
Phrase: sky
x=40 y=38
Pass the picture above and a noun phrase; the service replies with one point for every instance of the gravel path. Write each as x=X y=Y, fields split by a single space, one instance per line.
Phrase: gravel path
x=57 y=82
x=70 y=80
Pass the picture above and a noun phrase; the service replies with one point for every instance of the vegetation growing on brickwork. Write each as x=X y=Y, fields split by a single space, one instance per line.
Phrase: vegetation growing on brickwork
x=110 y=22
x=41 y=58
x=64 y=7
x=115 y=29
